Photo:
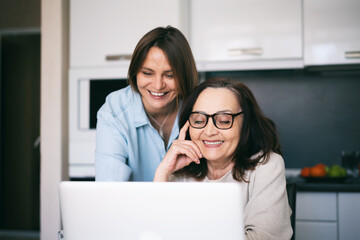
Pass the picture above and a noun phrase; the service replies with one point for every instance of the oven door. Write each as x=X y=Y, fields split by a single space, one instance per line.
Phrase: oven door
x=88 y=89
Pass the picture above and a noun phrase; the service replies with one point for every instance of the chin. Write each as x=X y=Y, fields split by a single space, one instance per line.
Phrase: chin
x=211 y=158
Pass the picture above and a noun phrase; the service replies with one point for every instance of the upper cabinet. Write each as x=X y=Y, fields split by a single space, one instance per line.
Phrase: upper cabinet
x=331 y=32
x=246 y=34
x=105 y=33
x=224 y=35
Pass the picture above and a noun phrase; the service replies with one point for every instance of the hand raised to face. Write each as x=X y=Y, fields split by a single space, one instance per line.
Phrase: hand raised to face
x=181 y=153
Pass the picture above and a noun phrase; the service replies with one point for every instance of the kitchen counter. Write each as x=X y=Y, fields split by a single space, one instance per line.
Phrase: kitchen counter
x=348 y=185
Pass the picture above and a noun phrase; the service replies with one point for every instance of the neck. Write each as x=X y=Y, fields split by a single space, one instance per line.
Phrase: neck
x=163 y=121
x=161 y=113
x=217 y=170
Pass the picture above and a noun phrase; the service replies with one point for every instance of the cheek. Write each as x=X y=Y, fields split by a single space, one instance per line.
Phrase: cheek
x=138 y=81
x=172 y=85
x=194 y=134
x=237 y=132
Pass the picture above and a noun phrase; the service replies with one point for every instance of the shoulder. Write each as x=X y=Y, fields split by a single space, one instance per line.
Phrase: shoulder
x=275 y=166
x=120 y=101
x=275 y=160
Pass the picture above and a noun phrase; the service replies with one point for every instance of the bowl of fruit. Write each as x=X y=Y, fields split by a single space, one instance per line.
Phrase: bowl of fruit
x=323 y=173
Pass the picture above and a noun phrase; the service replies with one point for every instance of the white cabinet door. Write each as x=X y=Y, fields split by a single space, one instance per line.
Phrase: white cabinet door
x=246 y=30
x=349 y=216
x=315 y=230
x=316 y=216
x=112 y=28
x=316 y=206
x=331 y=32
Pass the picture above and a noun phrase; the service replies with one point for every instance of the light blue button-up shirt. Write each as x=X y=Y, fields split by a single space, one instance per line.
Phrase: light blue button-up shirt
x=128 y=147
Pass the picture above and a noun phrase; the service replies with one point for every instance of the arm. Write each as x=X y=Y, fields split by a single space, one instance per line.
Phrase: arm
x=111 y=149
x=181 y=153
x=267 y=213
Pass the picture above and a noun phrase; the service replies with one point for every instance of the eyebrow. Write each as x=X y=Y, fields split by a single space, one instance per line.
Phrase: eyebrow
x=149 y=69
x=222 y=111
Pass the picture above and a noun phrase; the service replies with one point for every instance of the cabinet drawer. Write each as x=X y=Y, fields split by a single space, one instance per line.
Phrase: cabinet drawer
x=316 y=206
x=315 y=230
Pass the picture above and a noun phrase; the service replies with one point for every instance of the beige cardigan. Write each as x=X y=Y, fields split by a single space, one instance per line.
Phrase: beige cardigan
x=266 y=209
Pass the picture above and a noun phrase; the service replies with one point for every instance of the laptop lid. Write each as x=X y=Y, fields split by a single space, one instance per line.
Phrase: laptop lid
x=151 y=211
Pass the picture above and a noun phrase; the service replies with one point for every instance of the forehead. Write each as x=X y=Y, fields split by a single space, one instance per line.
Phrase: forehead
x=213 y=100
x=156 y=58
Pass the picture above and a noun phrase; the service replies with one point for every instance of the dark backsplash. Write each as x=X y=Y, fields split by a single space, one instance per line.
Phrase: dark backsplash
x=317 y=112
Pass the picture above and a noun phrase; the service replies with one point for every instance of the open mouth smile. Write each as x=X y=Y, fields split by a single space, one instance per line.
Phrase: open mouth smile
x=157 y=94
x=213 y=142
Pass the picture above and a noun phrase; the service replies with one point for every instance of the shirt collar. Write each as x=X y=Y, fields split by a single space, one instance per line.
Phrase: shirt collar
x=139 y=111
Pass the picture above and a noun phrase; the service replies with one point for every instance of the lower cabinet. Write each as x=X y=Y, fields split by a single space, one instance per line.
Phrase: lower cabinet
x=327 y=215
x=316 y=216
x=316 y=230
x=349 y=215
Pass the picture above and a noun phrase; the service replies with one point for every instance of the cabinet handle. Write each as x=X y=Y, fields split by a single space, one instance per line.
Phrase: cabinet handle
x=352 y=54
x=118 y=57
x=245 y=51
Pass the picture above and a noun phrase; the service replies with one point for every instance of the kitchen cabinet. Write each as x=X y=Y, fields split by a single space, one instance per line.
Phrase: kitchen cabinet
x=105 y=33
x=246 y=34
x=316 y=216
x=349 y=216
x=327 y=215
x=331 y=32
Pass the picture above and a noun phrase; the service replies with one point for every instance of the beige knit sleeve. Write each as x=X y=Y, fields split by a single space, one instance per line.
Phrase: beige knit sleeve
x=267 y=213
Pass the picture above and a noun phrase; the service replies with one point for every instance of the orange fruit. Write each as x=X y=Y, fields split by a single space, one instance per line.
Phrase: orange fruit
x=305 y=172
x=320 y=164
x=318 y=170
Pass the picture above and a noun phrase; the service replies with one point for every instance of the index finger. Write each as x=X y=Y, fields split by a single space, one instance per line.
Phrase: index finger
x=183 y=130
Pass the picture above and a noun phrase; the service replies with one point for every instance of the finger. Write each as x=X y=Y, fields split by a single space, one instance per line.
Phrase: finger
x=186 y=148
x=194 y=147
x=183 y=131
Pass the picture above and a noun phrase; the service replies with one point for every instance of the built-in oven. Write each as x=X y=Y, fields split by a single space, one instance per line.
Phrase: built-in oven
x=88 y=89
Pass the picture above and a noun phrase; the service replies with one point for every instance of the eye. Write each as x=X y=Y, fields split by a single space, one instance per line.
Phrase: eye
x=146 y=73
x=223 y=119
x=197 y=119
x=169 y=75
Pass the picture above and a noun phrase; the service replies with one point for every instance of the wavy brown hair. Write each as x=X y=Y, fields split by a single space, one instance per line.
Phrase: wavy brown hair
x=258 y=136
x=177 y=51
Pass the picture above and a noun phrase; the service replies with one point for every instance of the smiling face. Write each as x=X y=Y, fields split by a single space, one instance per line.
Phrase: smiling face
x=156 y=83
x=217 y=145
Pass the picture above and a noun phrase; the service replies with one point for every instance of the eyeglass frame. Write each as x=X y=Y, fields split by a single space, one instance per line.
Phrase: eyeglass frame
x=233 y=115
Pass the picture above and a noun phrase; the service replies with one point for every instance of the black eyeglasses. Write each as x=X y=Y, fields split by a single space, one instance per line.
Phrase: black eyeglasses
x=223 y=121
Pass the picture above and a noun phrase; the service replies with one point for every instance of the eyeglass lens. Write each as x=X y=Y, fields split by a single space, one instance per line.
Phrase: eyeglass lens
x=221 y=120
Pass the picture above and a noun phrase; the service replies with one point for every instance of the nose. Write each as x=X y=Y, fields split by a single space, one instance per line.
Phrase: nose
x=158 y=82
x=210 y=128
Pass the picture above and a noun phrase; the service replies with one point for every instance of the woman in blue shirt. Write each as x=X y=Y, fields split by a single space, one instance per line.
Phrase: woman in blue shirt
x=137 y=124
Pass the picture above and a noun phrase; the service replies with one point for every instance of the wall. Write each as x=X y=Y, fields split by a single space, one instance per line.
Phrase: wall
x=54 y=123
x=317 y=112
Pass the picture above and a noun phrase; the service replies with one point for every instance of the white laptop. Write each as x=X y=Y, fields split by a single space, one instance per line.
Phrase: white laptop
x=151 y=211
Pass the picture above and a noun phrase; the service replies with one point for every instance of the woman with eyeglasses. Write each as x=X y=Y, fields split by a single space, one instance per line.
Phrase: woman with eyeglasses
x=225 y=137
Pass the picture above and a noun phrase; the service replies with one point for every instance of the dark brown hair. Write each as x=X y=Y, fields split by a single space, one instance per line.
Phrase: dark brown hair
x=258 y=137
x=177 y=50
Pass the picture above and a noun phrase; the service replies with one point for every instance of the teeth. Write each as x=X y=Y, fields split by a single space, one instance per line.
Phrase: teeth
x=213 y=143
x=157 y=94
